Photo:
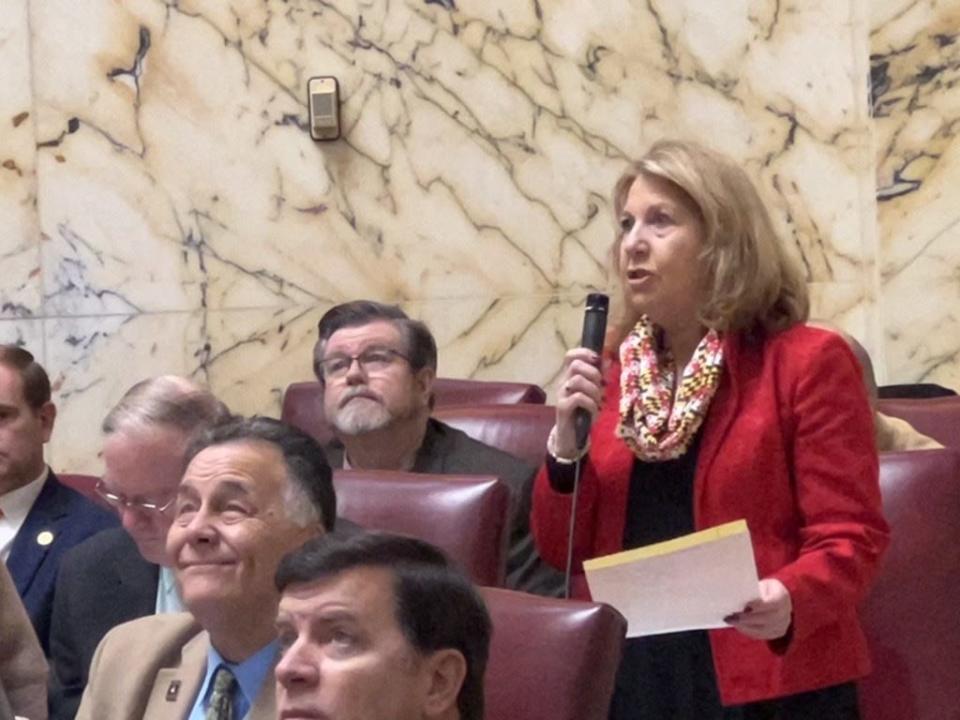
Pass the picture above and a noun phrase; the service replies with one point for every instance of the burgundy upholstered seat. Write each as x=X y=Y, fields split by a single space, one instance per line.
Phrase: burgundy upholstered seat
x=520 y=430
x=85 y=485
x=936 y=417
x=911 y=616
x=466 y=516
x=551 y=659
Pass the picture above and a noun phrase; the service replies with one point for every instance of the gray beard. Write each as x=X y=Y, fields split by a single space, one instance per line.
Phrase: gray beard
x=361 y=416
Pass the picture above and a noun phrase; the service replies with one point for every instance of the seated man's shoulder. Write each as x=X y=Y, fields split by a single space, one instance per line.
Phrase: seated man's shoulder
x=464 y=454
x=86 y=516
x=169 y=630
x=103 y=544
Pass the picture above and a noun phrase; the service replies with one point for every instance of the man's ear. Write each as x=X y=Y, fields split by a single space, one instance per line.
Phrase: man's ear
x=447 y=669
x=423 y=379
x=48 y=415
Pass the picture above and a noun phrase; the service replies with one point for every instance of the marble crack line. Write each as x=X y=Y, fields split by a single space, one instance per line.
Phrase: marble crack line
x=489 y=361
x=136 y=68
x=902 y=185
x=921 y=252
x=259 y=338
x=670 y=54
x=238 y=46
x=480 y=227
x=265 y=278
x=66 y=394
x=768 y=36
x=940 y=361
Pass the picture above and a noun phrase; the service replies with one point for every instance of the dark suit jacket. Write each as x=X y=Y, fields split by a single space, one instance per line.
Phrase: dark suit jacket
x=446 y=450
x=59 y=519
x=103 y=582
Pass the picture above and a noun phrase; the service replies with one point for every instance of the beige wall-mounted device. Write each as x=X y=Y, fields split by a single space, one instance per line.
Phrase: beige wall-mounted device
x=323 y=99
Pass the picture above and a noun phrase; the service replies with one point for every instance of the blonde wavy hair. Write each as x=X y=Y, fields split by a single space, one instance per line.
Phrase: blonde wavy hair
x=753 y=284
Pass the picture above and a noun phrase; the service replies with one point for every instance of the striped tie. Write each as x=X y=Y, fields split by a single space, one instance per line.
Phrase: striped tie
x=220 y=706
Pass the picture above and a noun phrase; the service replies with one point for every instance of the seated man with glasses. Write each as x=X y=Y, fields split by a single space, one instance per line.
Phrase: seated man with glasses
x=253 y=490
x=377 y=368
x=124 y=573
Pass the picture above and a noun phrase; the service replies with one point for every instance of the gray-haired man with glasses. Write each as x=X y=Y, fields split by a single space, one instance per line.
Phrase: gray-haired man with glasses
x=125 y=573
x=377 y=368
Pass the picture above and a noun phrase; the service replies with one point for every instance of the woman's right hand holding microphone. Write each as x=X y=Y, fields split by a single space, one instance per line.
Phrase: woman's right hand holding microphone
x=581 y=386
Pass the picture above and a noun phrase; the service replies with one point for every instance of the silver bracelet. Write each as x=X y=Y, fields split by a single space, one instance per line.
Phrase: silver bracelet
x=552 y=450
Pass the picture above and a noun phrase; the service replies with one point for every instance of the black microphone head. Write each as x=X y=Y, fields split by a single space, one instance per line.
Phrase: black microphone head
x=598 y=301
x=595 y=321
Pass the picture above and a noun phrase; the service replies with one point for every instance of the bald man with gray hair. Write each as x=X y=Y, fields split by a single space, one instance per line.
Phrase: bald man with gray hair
x=124 y=574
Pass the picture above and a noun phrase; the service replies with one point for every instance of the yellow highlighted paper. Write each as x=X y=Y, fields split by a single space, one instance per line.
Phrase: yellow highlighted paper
x=663 y=548
x=688 y=583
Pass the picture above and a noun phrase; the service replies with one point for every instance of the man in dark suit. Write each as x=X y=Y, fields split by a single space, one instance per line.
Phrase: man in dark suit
x=123 y=574
x=377 y=367
x=40 y=519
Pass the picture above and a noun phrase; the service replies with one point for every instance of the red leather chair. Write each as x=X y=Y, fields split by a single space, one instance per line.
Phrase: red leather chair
x=85 y=485
x=911 y=616
x=303 y=407
x=937 y=417
x=520 y=430
x=464 y=515
x=551 y=659
x=463 y=391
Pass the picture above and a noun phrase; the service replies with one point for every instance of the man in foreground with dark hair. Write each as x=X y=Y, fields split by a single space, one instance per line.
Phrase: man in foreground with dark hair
x=379 y=627
x=377 y=368
x=253 y=490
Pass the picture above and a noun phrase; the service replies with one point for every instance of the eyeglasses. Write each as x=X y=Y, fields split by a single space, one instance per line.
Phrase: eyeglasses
x=119 y=501
x=371 y=361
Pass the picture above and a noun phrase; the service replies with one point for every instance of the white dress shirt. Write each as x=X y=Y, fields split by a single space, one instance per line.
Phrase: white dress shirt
x=16 y=506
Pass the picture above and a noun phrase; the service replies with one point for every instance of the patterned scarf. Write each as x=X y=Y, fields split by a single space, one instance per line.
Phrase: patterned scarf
x=653 y=425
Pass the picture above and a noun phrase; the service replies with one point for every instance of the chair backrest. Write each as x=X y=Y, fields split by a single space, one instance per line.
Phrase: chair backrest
x=462 y=391
x=914 y=390
x=936 y=417
x=303 y=406
x=911 y=616
x=551 y=659
x=520 y=430
x=465 y=515
x=85 y=485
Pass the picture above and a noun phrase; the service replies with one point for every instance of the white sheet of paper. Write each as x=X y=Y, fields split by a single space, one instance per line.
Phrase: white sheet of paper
x=688 y=583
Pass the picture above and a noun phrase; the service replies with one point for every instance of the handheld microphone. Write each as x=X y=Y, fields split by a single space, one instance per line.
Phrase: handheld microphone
x=594 y=329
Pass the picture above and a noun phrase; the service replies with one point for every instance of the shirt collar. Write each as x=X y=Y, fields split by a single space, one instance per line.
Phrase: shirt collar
x=16 y=504
x=250 y=673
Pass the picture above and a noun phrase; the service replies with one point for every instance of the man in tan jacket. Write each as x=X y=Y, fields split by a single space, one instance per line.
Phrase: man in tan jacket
x=23 y=671
x=253 y=490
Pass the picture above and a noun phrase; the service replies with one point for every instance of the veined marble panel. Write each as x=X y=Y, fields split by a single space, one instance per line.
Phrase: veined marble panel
x=192 y=226
x=480 y=142
x=96 y=359
x=21 y=284
x=916 y=103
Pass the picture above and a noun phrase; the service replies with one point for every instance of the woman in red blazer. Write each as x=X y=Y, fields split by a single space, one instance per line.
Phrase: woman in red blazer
x=722 y=405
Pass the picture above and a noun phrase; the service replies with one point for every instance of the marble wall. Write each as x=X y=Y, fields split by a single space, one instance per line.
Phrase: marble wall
x=164 y=209
x=915 y=80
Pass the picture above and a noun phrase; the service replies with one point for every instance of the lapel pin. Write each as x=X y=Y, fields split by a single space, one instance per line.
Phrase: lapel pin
x=45 y=538
x=173 y=690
